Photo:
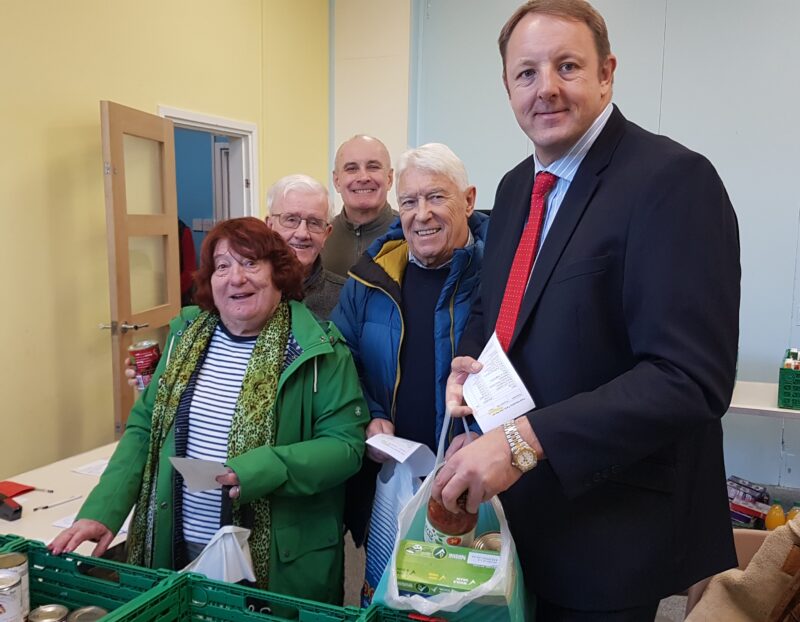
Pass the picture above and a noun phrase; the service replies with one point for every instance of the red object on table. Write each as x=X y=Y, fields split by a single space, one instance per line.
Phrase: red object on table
x=12 y=489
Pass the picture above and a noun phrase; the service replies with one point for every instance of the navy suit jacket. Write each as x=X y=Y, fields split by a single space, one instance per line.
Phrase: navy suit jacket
x=627 y=340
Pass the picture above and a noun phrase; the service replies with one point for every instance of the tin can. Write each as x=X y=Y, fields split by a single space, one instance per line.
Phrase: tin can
x=445 y=527
x=10 y=599
x=87 y=614
x=145 y=360
x=489 y=541
x=18 y=563
x=49 y=613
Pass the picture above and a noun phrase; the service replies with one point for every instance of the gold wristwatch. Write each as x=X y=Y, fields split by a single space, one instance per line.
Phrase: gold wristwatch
x=523 y=456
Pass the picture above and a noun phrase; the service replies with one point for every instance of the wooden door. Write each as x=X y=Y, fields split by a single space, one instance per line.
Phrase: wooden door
x=142 y=233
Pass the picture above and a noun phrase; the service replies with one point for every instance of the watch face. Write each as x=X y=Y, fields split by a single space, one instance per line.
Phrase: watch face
x=526 y=459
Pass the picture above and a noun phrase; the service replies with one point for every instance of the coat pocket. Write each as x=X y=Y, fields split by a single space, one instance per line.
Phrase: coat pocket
x=648 y=475
x=590 y=265
x=313 y=533
x=310 y=558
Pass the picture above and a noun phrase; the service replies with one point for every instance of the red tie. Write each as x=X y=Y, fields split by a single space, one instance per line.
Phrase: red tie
x=523 y=260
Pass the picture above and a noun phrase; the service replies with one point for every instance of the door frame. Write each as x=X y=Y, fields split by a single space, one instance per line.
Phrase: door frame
x=221 y=181
x=243 y=152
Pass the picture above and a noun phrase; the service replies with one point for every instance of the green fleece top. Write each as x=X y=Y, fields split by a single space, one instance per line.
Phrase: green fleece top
x=321 y=415
x=347 y=242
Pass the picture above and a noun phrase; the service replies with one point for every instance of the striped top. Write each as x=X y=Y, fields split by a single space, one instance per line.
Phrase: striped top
x=219 y=382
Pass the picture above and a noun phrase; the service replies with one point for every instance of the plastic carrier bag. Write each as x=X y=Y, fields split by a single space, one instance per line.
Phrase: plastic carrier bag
x=500 y=599
x=395 y=486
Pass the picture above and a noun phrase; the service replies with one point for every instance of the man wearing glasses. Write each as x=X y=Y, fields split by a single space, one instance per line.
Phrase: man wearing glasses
x=299 y=211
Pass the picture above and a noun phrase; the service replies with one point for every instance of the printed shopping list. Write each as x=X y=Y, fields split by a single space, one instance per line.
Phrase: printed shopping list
x=496 y=394
x=420 y=458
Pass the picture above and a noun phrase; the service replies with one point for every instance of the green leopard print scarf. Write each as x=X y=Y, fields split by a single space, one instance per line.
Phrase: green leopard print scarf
x=253 y=425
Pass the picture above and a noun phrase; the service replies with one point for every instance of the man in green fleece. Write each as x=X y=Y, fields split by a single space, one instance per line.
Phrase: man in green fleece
x=363 y=176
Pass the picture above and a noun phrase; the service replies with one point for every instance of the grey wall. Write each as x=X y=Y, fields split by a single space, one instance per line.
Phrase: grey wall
x=716 y=75
x=719 y=76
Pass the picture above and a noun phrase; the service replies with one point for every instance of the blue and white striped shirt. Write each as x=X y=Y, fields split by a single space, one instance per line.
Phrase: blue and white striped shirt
x=566 y=166
x=219 y=383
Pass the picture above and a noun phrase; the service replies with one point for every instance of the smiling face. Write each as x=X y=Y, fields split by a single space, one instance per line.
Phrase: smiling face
x=243 y=291
x=306 y=244
x=433 y=213
x=363 y=174
x=555 y=81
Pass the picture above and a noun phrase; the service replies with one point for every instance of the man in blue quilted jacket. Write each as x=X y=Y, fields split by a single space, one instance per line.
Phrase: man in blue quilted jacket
x=404 y=308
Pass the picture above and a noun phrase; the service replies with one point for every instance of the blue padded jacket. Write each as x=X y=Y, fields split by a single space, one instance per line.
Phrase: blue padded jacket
x=369 y=316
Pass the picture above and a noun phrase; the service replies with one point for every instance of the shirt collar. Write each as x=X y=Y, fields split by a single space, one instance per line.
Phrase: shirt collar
x=567 y=165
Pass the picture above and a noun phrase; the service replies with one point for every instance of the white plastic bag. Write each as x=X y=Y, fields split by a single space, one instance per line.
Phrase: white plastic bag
x=226 y=557
x=395 y=486
x=500 y=589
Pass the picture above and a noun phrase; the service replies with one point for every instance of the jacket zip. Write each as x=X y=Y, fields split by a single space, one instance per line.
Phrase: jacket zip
x=452 y=310
x=400 y=345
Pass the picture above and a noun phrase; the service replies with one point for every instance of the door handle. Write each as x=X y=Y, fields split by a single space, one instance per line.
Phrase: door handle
x=122 y=328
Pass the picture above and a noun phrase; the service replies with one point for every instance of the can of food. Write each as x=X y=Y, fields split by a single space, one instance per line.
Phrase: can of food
x=18 y=563
x=145 y=356
x=49 y=613
x=489 y=541
x=87 y=614
x=445 y=527
x=10 y=597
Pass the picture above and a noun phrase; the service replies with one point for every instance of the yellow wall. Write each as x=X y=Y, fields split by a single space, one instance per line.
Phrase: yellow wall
x=295 y=91
x=260 y=61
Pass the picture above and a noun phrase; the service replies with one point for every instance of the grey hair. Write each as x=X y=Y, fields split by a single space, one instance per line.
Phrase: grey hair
x=298 y=183
x=435 y=158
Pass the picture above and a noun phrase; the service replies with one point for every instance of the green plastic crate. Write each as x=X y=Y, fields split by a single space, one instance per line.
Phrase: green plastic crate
x=7 y=541
x=78 y=581
x=379 y=613
x=789 y=388
x=189 y=597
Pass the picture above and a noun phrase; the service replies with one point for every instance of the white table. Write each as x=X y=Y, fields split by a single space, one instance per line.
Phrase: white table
x=60 y=478
x=759 y=398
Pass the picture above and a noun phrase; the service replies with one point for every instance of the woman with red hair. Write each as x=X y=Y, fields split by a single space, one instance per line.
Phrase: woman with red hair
x=252 y=379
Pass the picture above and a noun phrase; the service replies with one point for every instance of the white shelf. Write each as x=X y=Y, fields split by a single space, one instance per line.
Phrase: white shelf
x=759 y=398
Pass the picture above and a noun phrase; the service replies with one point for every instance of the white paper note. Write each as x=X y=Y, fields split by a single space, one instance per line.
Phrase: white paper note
x=496 y=394
x=420 y=458
x=66 y=522
x=199 y=474
x=93 y=468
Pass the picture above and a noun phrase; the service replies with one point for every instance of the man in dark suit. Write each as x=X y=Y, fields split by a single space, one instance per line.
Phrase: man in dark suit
x=624 y=331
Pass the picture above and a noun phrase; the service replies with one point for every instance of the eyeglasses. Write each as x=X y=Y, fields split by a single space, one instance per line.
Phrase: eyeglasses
x=292 y=221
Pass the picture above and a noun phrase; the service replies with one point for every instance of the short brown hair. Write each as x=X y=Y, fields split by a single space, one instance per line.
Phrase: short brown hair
x=574 y=10
x=251 y=238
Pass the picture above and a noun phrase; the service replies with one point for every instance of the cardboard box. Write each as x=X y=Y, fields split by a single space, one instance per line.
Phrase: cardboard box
x=427 y=568
x=750 y=508
x=739 y=488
